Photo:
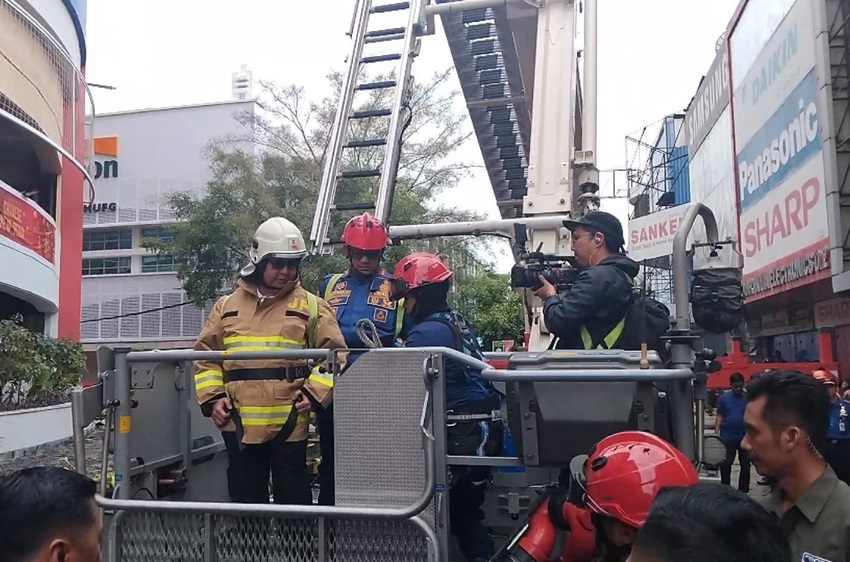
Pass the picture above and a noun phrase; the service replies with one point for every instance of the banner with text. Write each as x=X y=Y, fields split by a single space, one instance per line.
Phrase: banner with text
x=651 y=236
x=21 y=222
x=780 y=167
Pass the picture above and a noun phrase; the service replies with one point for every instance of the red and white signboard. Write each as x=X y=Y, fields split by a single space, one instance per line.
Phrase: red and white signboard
x=780 y=166
x=651 y=236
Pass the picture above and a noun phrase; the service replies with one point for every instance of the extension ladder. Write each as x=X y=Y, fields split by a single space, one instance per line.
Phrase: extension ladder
x=330 y=210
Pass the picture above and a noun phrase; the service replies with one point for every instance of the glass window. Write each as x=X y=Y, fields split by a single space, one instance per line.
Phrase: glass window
x=95 y=240
x=159 y=263
x=158 y=233
x=106 y=266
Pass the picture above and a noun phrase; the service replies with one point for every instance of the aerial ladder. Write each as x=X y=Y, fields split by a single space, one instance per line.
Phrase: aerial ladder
x=169 y=501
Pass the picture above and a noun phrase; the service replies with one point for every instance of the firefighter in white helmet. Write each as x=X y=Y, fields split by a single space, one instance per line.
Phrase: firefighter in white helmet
x=263 y=407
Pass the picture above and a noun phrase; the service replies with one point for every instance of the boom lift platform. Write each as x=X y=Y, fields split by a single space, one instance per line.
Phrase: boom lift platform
x=170 y=502
x=170 y=498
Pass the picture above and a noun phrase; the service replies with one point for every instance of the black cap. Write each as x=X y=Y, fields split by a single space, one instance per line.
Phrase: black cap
x=603 y=222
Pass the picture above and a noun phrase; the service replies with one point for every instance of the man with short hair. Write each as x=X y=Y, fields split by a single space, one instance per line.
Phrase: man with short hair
x=48 y=514
x=729 y=425
x=837 y=453
x=787 y=418
x=591 y=314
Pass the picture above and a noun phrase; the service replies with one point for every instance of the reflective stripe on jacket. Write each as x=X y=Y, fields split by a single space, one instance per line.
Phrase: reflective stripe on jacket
x=242 y=321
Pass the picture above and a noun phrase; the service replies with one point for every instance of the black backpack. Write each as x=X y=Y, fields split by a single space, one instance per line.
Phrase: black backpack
x=717 y=299
x=647 y=320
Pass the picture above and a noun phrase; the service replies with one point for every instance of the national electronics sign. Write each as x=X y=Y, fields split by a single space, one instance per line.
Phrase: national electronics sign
x=651 y=236
x=708 y=103
x=780 y=168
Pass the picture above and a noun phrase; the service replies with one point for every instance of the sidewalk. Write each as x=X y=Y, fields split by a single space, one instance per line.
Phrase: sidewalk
x=756 y=491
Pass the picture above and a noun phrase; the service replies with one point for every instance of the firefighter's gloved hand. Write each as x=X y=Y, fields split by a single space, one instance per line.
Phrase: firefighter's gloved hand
x=302 y=403
x=221 y=411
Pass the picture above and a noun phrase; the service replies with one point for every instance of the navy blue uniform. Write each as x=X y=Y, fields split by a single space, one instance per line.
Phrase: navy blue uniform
x=732 y=430
x=352 y=298
x=838 y=446
x=474 y=428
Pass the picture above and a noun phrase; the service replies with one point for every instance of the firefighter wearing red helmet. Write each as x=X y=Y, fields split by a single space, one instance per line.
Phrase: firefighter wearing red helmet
x=616 y=484
x=361 y=292
x=474 y=421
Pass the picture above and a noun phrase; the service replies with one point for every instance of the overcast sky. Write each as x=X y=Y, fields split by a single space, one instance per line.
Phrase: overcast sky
x=652 y=54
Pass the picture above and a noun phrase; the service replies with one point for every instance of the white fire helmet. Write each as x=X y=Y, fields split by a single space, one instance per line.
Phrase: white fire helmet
x=275 y=238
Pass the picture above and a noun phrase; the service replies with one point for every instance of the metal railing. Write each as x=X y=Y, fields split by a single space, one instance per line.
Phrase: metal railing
x=202 y=534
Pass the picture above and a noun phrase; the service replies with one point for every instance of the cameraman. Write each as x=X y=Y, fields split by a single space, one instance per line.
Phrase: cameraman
x=591 y=313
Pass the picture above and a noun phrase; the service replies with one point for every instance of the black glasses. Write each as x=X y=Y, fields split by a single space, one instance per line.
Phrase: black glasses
x=356 y=254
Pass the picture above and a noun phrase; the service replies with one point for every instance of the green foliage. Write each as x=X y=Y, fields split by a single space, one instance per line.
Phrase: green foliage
x=492 y=307
x=213 y=231
x=36 y=370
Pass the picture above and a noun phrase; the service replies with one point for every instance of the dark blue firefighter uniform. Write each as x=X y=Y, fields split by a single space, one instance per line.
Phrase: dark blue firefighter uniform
x=838 y=445
x=353 y=297
x=732 y=430
x=474 y=428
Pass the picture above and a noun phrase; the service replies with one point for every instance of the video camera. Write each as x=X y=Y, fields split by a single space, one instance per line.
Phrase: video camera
x=560 y=271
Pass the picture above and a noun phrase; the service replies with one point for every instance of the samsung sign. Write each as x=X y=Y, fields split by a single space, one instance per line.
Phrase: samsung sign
x=711 y=98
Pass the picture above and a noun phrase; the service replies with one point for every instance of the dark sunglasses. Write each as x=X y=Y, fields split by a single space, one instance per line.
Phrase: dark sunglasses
x=398 y=288
x=356 y=254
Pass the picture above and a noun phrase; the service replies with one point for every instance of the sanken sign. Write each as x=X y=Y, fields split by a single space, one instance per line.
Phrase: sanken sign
x=651 y=236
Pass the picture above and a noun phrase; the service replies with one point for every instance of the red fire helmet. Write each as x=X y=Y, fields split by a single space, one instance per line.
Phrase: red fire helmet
x=625 y=472
x=365 y=232
x=416 y=270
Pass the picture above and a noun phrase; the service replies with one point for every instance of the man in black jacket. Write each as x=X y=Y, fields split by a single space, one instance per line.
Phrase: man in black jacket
x=591 y=314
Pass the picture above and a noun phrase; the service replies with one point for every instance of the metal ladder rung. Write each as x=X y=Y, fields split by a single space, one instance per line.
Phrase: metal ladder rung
x=380 y=58
x=361 y=206
x=396 y=7
x=369 y=113
x=381 y=39
x=385 y=32
x=376 y=85
x=365 y=143
x=351 y=174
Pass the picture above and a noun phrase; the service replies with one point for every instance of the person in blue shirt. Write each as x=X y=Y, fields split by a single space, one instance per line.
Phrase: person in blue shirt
x=837 y=453
x=362 y=292
x=473 y=406
x=729 y=424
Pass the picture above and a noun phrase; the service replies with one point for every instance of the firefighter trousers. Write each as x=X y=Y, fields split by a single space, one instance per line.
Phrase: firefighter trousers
x=325 y=424
x=249 y=468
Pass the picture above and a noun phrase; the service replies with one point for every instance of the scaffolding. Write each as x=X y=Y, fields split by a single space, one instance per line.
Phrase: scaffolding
x=657 y=179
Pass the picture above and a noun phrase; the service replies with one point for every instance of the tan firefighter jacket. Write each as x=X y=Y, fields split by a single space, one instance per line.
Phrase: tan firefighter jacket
x=260 y=390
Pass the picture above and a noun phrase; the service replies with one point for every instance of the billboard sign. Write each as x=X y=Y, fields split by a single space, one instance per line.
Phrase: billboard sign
x=21 y=221
x=711 y=98
x=651 y=236
x=780 y=167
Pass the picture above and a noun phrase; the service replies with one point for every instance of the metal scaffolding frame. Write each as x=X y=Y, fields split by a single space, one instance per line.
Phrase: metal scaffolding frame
x=650 y=173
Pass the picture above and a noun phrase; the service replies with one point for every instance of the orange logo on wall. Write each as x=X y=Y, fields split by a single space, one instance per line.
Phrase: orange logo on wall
x=106 y=146
x=21 y=222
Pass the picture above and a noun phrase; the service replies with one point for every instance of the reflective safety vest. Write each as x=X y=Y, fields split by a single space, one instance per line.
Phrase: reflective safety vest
x=611 y=337
x=263 y=391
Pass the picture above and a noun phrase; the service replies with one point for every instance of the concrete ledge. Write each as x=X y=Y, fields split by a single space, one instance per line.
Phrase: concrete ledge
x=29 y=430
